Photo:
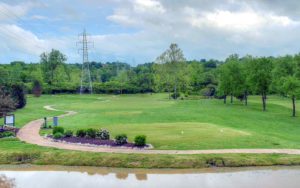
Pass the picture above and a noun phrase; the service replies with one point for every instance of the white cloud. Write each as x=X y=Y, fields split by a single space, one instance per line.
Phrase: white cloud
x=237 y=21
x=15 y=12
x=38 y=17
x=123 y=19
x=202 y=28
x=148 y=6
x=20 y=41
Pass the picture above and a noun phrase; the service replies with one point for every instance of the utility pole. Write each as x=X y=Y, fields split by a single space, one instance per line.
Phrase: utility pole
x=86 y=81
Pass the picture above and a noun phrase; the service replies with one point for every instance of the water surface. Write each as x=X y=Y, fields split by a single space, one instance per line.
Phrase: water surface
x=77 y=177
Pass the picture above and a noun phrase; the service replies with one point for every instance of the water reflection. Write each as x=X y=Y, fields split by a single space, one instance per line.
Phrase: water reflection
x=7 y=182
x=122 y=176
x=141 y=177
x=76 y=177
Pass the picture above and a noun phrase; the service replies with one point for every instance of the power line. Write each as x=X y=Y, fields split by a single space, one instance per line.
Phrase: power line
x=86 y=81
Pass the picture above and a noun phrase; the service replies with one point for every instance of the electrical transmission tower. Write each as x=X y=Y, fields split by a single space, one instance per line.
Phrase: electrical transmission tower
x=86 y=81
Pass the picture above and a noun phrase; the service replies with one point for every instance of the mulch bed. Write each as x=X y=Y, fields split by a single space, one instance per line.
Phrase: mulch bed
x=97 y=142
x=8 y=129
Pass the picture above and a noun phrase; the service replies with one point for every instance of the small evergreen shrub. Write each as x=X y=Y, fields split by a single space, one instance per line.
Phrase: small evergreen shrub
x=175 y=95
x=103 y=134
x=68 y=133
x=7 y=134
x=81 y=133
x=58 y=135
x=91 y=133
x=121 y=139
x=58 y=130
x=140 y=140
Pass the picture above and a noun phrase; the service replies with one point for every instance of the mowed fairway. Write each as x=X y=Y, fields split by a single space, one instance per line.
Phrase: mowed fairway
x=182 y=124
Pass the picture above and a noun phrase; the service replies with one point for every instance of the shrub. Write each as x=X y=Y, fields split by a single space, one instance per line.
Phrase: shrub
x=81 y=133
x=58 y=130
x=68 y=133
x=103 y=134
x=7 y=134
x=175 y=95
x=140 y=140
x=18 y=94
x=58 y=135
x=91 y=133
x=121 y=139
x=44 y=126
x=37 y=88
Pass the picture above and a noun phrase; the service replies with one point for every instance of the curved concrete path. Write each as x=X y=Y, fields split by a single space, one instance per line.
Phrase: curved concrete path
x=30 y=134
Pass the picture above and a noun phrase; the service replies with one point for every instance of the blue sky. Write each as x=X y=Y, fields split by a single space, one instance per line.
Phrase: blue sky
x=137 y=31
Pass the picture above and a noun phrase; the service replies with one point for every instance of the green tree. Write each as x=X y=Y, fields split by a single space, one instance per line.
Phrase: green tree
x=291 y=86
x=224 y=87
x=172 y=69
x=260 y=77
x=122 y=79
x=50 y=64
x=286 y=78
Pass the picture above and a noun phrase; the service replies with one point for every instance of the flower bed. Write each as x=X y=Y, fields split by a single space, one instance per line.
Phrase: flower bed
x=97 y=142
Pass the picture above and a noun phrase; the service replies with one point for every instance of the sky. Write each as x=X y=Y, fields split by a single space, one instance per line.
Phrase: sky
x=138 y=31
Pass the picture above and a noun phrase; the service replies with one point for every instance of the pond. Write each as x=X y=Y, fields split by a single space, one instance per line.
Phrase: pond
x=75 y=177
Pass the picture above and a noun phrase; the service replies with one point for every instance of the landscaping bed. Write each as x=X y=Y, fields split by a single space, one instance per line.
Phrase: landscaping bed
x=97 y=142
x=100 y=137
x=8 y=132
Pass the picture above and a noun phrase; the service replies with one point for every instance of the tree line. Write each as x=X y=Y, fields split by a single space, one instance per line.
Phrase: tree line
x=235 y=78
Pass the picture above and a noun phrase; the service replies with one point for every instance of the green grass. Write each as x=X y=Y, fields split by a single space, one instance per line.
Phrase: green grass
x=15 y=152
x=182 y=124
x=187 y=124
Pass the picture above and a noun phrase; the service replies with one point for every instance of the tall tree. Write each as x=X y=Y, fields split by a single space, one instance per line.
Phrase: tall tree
x=50 y=64
x=291 y=86
x=224 y=82
x=242 y=79
x=230 y=77
x=173 y=64
x=286 y=78
x=260 y=76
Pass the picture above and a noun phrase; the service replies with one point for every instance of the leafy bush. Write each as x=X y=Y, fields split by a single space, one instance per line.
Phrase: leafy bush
x=140 y=140
x=68 y=133
x=7 y=134
x=44 y=126
x=175 y=95
x=18 y=94
x=58 y=130
x=37 y=88
x=58 y=135
x=103 y=134
x=91 y=133
x=81 y=133
x=121 y=139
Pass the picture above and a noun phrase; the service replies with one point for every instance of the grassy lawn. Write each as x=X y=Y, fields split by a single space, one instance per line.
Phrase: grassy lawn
x=187 y=124
x=182 y=124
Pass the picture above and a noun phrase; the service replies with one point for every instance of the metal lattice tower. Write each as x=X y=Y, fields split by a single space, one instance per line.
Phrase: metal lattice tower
x=86 y=81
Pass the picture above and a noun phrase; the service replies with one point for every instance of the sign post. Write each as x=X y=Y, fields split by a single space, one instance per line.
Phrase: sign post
x=55 y=121
x=9 y=120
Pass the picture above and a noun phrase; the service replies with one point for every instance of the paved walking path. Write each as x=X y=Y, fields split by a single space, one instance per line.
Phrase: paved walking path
x=30 y=134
